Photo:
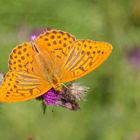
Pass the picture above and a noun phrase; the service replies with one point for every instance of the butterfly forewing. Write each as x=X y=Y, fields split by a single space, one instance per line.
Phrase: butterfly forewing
x=85 y=56
x=21 y=86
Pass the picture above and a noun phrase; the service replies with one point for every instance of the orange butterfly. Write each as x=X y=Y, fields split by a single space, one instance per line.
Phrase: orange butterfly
x=49 y=60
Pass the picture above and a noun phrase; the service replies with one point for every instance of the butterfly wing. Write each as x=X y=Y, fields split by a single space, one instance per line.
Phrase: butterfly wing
x=71 y=58
x=55 y=45
x=24 y=80
x=21 y=86
x=21 y=58
x=84 y=57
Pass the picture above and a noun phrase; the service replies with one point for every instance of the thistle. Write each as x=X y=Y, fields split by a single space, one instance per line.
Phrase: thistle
x=69 y=97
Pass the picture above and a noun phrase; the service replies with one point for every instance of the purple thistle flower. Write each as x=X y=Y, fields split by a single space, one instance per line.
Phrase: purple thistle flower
x=133 y=55
x=33 y=37
x=51 y=97
x=68 y=97
x=35 y=33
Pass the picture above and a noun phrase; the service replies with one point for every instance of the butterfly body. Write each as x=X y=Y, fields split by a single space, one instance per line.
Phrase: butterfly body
x=45 y=68
x=49 y=60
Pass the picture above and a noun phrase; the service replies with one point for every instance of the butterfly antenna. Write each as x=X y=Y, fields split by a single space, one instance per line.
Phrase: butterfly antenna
x=65 y=86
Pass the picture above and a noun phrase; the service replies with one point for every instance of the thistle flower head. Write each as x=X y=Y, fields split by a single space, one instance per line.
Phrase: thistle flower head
x=33 y=37
x=68 y=97
x=133 y=55
x=52 y=97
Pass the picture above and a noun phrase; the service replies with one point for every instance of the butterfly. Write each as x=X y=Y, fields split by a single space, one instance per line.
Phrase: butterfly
x=50 y=59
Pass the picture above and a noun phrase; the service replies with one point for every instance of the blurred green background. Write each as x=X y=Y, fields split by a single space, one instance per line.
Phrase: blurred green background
x=112 y=108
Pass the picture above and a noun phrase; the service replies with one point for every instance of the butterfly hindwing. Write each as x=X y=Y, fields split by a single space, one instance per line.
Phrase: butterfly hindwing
x=55 y=45
x=21 y=58
x=21 y=86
